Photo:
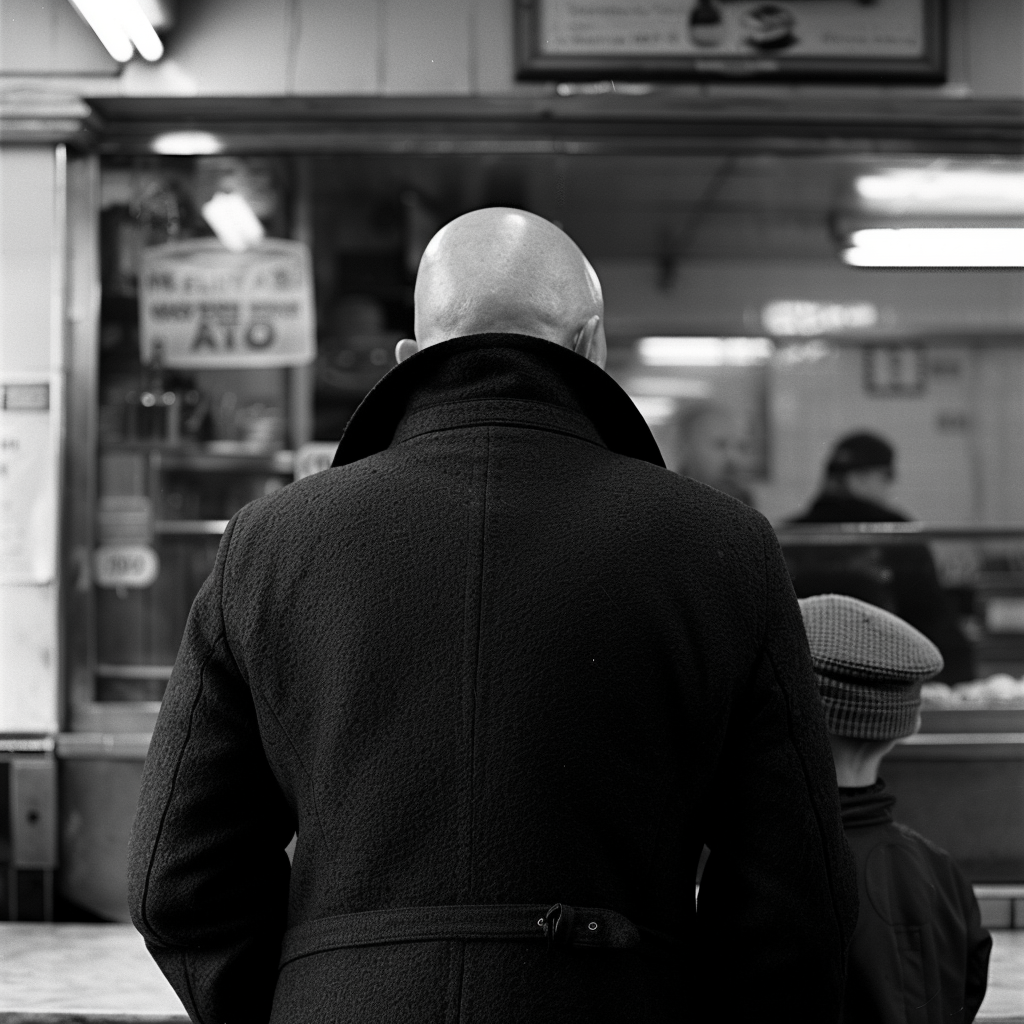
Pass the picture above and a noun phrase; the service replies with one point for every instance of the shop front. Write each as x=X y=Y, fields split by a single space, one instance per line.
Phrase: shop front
x=250 y=267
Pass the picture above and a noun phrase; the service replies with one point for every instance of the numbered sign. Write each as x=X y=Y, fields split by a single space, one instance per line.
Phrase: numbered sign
x=894 y=371
x=203 y=306
x=126 y=566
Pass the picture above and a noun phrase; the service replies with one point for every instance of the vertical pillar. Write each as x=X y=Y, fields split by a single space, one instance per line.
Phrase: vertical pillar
x=32 y=277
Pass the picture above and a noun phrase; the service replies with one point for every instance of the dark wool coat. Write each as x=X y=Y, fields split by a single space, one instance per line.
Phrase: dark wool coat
x=919 y=954
x=901 y=579
x=497 y=655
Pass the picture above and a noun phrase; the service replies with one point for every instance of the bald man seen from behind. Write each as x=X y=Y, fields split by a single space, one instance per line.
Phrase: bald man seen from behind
x=504 y=675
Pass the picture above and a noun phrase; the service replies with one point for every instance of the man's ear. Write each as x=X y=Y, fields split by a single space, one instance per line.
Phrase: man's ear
x=590 y=342
x=405 y=348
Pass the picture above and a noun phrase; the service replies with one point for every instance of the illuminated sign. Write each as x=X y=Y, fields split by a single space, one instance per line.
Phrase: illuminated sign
x=800 y=318
x=202 y=306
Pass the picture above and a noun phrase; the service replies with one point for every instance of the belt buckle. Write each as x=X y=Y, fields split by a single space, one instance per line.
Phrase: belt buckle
x=557 y=923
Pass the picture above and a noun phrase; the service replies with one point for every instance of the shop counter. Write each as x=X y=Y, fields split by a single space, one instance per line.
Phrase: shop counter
x=102 y=974
x=960 y=782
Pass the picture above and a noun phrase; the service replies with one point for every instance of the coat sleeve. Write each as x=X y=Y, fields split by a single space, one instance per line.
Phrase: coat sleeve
x=778 y=898
x=207 y=869
x=979 y=949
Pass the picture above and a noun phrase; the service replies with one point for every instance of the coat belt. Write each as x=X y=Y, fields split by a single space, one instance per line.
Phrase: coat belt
x=558 y=925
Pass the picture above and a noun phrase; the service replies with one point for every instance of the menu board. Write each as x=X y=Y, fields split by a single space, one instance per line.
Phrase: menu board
x=202 y=306
x=29 y=438
x=788 y=39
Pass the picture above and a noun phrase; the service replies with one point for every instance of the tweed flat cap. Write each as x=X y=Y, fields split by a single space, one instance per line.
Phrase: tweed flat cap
x=870 y=666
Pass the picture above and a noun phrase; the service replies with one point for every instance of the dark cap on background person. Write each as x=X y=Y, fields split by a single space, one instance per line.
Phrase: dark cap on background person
x=859 y=452
x=870 y=665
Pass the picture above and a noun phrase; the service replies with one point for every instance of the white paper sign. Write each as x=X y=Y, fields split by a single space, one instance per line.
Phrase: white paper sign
x=314 y=457
x=28 y=480
x=203 y=306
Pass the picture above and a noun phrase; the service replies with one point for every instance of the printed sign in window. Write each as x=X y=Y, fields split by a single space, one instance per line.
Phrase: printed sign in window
x=203 y=306
x=28 y=482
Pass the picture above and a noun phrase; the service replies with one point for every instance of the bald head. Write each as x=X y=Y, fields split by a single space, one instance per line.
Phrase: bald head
x=501 y=270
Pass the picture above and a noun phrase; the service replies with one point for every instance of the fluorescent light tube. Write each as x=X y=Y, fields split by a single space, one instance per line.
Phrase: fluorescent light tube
x=655 y=410
x=104 y=21
x=233 y=221
x=668 y=387
x=186 y=144
x=697 y=351
x=966 y=190
x=138 y=29
x=936 y=247
x=122 y=27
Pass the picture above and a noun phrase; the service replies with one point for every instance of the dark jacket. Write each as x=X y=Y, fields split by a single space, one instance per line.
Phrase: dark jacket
x=919 y=954
x=497 y=655
x=900 y=578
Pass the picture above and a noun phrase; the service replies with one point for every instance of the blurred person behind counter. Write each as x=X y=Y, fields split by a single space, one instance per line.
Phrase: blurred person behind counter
x=900 y=578
x=714 y=450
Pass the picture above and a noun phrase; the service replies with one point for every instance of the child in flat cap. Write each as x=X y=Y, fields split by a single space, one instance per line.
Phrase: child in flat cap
x=919 y=952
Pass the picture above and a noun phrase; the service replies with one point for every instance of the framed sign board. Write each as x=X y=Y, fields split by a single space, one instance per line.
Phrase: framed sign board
x=202 y=306
x=785 y=40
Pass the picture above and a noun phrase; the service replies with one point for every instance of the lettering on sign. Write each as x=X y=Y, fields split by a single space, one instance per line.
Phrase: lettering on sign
x=128 y=566
x=202 y=305
x=894 y=371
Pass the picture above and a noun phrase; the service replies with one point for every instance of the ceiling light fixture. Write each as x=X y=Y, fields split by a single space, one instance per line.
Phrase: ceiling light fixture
x=233 y=221
x=700 y=351
x=122 y=27
x=936 y=247
x=187 y=144
x=979 y=191
x=654 y=409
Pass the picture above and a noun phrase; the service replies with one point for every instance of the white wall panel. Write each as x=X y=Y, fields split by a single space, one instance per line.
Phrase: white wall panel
x=426 y=46
x=338 y=48
x=28 y=659
x=29 y=261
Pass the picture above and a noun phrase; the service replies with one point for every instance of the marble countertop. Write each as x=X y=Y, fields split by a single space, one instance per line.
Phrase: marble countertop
x=1004 y=1000
x=66 y=973
x=92 y=973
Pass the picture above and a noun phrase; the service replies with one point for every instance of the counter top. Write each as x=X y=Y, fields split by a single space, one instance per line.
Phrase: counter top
x=101 y=974
x=74 y=973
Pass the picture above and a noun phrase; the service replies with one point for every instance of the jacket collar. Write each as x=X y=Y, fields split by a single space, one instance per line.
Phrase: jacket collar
x=497 y=378
x=866 y=805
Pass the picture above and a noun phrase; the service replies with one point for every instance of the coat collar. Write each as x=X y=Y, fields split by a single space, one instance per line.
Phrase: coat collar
x=866 y=805
x=497 y=378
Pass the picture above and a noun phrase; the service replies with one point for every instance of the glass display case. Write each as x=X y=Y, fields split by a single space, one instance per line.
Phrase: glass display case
x=170 y=447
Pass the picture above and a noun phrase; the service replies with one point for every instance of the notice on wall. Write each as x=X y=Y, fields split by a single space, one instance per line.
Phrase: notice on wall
x=29 y=436
x=202 y=306
x=840 y=28
x=747 y=38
